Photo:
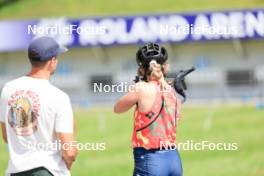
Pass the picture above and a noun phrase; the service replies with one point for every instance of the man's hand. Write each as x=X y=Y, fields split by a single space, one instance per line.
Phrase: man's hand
x=68 y=161
x=4 y=136
x=69 y=148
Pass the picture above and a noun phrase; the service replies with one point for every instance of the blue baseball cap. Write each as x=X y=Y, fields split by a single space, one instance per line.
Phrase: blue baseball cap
x=44 y=48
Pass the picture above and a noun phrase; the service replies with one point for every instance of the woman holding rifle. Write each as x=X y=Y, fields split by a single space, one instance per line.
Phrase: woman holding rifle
x=157 y=112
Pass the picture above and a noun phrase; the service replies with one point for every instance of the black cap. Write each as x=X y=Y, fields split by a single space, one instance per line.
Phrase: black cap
x=44 y=48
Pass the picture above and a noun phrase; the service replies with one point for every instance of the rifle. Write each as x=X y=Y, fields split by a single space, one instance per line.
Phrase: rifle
x=179 y=82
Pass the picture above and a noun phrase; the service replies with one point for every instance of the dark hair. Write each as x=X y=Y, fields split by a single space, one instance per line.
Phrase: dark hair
x=37 y=63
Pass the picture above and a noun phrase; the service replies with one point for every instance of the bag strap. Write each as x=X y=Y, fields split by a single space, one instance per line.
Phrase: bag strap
x=162 y=106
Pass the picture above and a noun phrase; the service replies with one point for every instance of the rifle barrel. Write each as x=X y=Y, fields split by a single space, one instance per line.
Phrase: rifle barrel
x=186 y=72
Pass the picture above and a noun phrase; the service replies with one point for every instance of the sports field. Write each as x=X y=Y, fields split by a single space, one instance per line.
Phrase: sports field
x=241 y=124
x=235 y=124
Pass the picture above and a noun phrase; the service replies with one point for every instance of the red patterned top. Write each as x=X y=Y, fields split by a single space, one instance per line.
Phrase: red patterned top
x=158 y=126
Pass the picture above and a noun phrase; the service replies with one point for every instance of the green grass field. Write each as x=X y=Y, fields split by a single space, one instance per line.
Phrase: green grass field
x=240 y=124
x=77 y=8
